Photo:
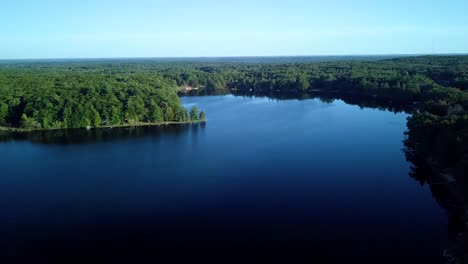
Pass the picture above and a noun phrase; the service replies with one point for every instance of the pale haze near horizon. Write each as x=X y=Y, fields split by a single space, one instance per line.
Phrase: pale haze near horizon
x=182 y=28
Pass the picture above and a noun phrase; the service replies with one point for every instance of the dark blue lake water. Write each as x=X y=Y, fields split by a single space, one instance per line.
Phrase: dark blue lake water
x=262 y=180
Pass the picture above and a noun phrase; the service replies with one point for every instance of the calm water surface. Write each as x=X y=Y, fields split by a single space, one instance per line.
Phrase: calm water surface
x=295 y=180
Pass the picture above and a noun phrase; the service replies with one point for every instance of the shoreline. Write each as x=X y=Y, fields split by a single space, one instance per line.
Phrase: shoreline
x=141 y=124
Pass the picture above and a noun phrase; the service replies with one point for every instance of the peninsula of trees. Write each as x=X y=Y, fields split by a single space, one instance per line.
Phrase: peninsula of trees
x=39 y=96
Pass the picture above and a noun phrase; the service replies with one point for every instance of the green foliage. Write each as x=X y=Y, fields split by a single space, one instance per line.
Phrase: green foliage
x=202 y=116
x=76 y=96
x=67 y=117
x=155 y=114
x=29 y=122
x=3 y=113
x=194 y=113
x=96 y=118
x=115 y=116
x=302 y=83
x=442 y=138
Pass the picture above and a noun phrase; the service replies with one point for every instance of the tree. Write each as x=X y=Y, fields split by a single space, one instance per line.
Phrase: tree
x=135 y=108
x=84 y=122
x=67 y=117
x=194 y=113
x=186 y=115
x=24 y=121
x=29 y=122
x=155 y=114
x=302 y=83
x=3 y=113
x=168 y=113
x=97 y=121
x=115 y=118
x=202 y=116
x=183 y=115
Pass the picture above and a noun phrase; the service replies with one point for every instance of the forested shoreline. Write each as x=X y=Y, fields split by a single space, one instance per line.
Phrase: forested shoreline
x=76 y=94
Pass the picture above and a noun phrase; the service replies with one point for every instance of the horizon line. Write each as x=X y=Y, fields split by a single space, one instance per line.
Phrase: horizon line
x=241 y=56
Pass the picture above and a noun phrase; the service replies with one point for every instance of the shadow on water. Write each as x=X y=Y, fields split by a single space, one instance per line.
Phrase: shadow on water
x=92 y=136
x=325 y=97
x=449 y=188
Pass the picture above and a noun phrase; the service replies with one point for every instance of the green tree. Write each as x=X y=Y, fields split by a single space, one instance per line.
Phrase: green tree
x=24 y=121
x=202 y=116
x=168 y=113
x=186 y=115
x=155 y=113
x=84 y=122
x=115 y=117
x=67 y=117
x=135 y=109
x=97 y=121
x=194 y=113
x=302 y=83
x=182 y=115
x=3 y=113
x=29 y=122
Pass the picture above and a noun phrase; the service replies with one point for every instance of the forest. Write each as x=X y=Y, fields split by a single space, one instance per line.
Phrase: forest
x=82 y=93
x=48 y=97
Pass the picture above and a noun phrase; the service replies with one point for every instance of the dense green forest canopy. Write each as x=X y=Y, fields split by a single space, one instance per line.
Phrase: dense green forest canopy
x=46 y=97
x=81 y=93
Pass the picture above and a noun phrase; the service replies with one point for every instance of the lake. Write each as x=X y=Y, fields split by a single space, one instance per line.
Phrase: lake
x=261 y=180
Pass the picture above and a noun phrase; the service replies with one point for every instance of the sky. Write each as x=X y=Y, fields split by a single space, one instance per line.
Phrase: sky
x=182 y=28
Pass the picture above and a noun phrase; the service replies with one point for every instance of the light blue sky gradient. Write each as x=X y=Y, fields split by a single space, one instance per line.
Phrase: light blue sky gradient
x=181 y=28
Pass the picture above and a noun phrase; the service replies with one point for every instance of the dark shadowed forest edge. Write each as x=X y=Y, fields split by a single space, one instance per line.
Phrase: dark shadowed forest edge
x=44 y=95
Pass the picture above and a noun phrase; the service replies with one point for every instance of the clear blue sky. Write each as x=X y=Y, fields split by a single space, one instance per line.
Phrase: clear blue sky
x=180 y=28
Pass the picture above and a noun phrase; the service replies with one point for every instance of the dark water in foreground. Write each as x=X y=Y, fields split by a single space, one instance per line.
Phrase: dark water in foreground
x=262 y=180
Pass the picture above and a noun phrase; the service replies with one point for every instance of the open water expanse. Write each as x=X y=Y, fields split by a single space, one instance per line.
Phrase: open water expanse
x=262 y=179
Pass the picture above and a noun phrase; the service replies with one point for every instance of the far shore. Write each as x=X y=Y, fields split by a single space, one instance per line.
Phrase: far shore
x=139 y=124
